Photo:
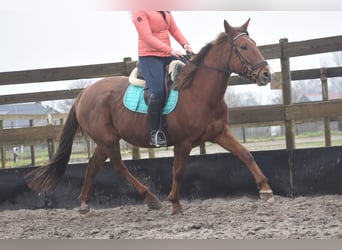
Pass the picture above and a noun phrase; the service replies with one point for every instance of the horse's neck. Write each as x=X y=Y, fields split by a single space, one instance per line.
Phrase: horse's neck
x=209 y=86
x=213 y=81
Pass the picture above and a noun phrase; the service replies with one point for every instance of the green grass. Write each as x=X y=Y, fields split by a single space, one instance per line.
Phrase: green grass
x=41 y=158
x=41 y=155
x=318 y=134
x=318 y=144
x=282 y=137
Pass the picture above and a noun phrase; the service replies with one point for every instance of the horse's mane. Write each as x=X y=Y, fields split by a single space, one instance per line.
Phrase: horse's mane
x=185 y=77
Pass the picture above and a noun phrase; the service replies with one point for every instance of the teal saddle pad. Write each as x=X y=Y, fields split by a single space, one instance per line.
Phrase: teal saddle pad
x=134 y=100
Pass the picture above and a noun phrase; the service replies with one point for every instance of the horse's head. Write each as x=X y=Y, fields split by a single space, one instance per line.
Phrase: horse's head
x=245 y=58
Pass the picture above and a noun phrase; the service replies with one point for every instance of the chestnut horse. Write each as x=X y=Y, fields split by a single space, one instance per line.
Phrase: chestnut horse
x=200 y=115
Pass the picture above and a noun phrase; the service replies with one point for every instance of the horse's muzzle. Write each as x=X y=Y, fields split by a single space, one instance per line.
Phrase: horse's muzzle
x=265 y=76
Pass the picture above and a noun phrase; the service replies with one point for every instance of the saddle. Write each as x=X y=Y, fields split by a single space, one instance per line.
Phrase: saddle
x=170 y=78
x=137 y=94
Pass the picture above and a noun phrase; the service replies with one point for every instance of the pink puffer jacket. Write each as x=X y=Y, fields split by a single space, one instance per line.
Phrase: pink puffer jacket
x=153 y=32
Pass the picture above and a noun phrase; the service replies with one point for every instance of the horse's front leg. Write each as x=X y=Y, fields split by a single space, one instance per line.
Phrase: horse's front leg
x=181 y=155
x=228 y=141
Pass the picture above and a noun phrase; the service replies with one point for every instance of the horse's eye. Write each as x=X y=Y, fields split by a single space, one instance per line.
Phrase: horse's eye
x=243 y=47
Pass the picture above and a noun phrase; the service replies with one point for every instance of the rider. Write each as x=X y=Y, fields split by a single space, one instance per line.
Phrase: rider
x=155 y=52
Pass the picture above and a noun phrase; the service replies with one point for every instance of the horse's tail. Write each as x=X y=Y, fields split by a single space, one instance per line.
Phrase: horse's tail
x=46 y=178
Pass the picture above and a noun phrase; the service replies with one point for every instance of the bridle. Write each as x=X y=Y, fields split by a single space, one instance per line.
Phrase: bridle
x=246 y=71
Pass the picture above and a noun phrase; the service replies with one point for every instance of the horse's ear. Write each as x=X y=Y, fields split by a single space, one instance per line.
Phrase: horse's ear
x=228 y=29
x=245 y=26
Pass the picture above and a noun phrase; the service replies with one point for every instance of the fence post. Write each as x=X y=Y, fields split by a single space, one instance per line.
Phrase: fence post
x=135 y=153
x=50 y=141
x=51 y=148
x=203 y=149
x=287 y=96
x=89 y=149
x=2 y=150
x=244 y=139
x=129 y=65
x=33 y=157
x=151 y=153
x=325 y=97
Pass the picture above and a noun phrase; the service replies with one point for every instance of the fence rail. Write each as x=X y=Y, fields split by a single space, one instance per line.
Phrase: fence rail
x=286 y=113
x=296 y=75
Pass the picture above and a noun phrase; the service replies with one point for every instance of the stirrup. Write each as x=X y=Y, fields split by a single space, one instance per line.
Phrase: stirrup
x=158 y=139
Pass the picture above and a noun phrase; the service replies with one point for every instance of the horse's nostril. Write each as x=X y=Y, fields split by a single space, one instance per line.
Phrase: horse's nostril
x=267 y=74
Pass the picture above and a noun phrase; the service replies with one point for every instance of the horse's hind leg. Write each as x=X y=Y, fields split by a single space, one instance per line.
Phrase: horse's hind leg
x=229 y=142
x=94 y=165
x=115 y=157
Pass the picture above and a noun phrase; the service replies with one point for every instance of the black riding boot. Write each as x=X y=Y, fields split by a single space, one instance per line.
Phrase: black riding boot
x=154 y=110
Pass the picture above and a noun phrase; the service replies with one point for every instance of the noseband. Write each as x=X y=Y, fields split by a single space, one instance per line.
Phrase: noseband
x=246 y=71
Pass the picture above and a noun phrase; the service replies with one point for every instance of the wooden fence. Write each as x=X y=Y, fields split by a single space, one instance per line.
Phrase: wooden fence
x=285 y=114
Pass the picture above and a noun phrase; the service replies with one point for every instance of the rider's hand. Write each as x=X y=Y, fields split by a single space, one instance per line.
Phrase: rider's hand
x=187 y=48
x=176 y=53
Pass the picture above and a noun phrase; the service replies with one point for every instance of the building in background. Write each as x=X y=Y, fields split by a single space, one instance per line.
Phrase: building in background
x=25 y=109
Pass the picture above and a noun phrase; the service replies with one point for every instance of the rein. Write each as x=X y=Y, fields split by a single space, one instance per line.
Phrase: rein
x=244 y=62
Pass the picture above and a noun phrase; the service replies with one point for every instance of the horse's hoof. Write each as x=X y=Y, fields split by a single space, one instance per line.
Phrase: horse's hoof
x=153 y=202
x=84 y=209
x=176 y=209
x=267 y=195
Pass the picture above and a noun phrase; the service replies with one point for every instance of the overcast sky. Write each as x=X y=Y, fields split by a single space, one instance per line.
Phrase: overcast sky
x=48 y=39
x=37 y=36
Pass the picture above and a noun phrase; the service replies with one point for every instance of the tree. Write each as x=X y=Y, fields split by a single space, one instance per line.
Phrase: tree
x=65 y=105
x=235 y=99
x=305 y=87
x=335 y=60
x=231 y=98
x=336 y=83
